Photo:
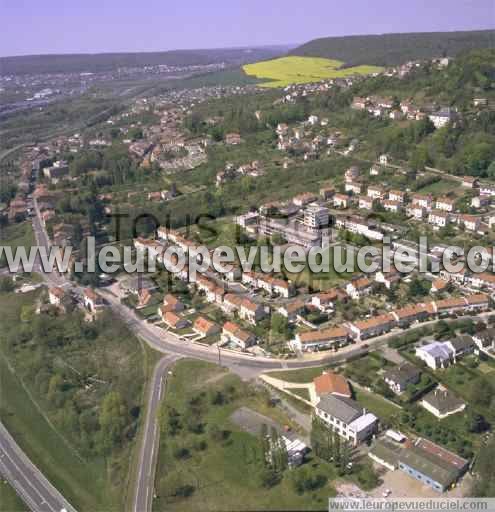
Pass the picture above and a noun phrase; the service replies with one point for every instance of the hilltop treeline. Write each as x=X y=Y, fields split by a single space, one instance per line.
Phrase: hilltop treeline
x=104 y=62
x=394 y=49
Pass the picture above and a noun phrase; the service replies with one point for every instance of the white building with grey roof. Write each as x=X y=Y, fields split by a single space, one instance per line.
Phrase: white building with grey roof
x=346 y=417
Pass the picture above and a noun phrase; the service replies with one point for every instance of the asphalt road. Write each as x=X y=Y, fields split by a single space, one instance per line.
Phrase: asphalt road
x=30 y=484
x=151 y=434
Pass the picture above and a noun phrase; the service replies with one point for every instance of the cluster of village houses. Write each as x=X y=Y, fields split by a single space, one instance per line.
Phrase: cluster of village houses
x=215 y=288
x=438 y=212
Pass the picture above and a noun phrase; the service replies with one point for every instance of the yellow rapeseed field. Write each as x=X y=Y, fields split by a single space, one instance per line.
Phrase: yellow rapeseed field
x=299 y=70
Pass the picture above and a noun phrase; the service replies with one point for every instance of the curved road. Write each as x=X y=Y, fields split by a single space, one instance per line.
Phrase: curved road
x=151 y=434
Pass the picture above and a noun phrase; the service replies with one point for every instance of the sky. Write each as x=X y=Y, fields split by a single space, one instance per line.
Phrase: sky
x=95 y=26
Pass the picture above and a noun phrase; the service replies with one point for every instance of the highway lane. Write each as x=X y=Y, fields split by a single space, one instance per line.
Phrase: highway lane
x=143 y=498
x=30 y=484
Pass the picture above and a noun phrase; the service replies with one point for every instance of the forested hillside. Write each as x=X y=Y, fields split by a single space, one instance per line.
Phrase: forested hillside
x=393 y=49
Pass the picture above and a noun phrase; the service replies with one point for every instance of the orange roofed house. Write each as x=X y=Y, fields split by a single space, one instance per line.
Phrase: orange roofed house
x=233 y=333
x=205 y=327
x=175 y=321
x=372 y=327
x=333 y=383
x=322 y=339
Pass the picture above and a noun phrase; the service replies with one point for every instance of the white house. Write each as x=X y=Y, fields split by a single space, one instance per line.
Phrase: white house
x=347 y=418
x=436 y=355
x=442 y=403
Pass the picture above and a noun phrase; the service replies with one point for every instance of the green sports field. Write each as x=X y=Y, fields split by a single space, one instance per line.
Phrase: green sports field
x=299 y=70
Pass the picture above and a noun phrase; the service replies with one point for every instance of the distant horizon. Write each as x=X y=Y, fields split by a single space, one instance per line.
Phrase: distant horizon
x=55 y=28
x=247 y=47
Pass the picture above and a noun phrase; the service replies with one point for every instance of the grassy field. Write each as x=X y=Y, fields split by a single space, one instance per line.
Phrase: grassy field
x=16 y=235
x=224 y=473
x=299 y=70
x=376 y=404
x=303 y=376
x=9 y=501
x=442 y=187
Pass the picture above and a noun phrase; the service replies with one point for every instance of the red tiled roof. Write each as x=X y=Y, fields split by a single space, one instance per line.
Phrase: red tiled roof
x=330 y=382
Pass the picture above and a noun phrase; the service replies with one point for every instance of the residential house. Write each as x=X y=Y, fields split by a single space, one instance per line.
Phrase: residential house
x=438 y=218
x=375 y=192
x=369 y=328
x=392 y=206
x=312 y=341
x=436 y=355
x=450 y=305
x=412 y=313
x=352 y=173
x=485 y=340
x=174 y=321
x=353 y=186
x=359 y=103
x=251 y=312
x=366 y=203
x=461 y=345
x=332 y=383
x=470 y=222
x=341 y=201
x=397 y=195
x=205 y=327
x=172 y=303
x=359 y=288
x=347 y=418
x=422 y=200
x=233 y=333
x=325 y=301
x=442 y=403
x=144 y=297
x=442 y=117
x=445 y=204
x=480 y=201
x=292 y=310
x=304 y=199
x=231 y=303
x=400 y=377
x=389 y=279
x=416 y=211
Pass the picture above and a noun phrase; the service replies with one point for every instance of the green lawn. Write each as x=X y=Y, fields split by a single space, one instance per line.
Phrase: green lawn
x=223 y=473
x=442 y=187
x=302 y=392
x=9 y=501
x=376 y=405
x=16 y=235
x=303 y=375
